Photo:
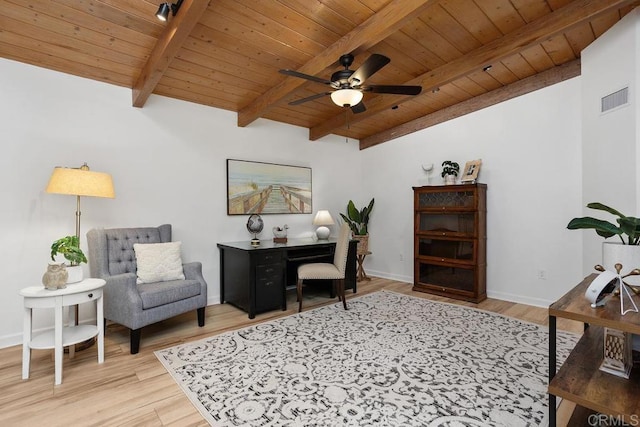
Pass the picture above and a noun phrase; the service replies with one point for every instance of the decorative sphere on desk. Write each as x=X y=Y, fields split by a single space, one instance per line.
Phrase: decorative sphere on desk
x=255 y=226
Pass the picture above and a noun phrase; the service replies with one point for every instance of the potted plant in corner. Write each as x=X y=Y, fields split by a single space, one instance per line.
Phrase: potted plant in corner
x=450 y=172
x=358 y=221
x=69 y=247
x=626 y=251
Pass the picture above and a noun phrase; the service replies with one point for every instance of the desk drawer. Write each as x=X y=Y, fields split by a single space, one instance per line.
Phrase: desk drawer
x=269 y=257
x=269 y=287
x=269 y=271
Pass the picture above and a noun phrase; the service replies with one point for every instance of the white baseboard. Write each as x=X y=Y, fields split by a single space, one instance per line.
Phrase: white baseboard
x=504 y=296
x=383 y=275
x=11 y=340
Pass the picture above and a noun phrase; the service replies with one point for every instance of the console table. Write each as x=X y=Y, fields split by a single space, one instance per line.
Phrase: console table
x=61 y=336
x=579 y=379
x=255 y=279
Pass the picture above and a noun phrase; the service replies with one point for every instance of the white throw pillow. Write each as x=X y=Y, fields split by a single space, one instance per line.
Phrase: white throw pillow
x=158 y=262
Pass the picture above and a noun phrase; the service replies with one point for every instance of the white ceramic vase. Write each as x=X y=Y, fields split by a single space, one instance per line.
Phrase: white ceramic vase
x=449 y=179
x=627 y=255
x=75 y=274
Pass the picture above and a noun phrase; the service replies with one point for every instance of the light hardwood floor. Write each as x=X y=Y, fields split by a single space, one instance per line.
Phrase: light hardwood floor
x=136 y=389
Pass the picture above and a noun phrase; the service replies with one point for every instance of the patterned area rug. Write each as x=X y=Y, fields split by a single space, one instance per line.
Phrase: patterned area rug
x=390 y=360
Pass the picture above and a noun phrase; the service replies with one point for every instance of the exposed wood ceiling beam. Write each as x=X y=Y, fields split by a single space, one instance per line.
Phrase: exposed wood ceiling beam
x=375 y=29
x=521 y=87
x=178 y=29
x=560 y=20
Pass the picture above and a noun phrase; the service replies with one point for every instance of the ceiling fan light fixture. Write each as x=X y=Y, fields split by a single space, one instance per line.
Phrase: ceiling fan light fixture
x=346 y=97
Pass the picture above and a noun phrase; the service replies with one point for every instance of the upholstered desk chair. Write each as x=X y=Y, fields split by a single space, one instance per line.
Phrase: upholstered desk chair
x=112 y=257
x=328 y=271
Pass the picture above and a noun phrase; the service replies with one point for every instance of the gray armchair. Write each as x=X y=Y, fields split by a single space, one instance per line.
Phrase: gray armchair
x=112 y=258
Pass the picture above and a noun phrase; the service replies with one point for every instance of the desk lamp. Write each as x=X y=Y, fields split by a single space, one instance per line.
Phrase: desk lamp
x=323 y=218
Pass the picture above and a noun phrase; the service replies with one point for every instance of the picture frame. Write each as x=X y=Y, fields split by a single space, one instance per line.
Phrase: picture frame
x=267 y=188
x=471 y=171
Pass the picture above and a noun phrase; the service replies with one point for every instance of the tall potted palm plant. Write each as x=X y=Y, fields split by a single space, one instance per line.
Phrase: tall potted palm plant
x=358 y=221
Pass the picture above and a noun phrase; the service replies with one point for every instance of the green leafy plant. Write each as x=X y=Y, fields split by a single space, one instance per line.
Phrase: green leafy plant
x=450 y=168
x=627 y=225
x=69 y=247
x=358 y=220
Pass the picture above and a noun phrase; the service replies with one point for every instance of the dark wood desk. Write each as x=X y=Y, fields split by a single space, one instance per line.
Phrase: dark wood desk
x=579 y=379
x=256 y=279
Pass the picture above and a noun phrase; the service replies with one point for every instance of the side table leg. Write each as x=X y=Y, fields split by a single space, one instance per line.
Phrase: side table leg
x=100 y=325
x=73 y=321
x=26 y=343
x=58 y=351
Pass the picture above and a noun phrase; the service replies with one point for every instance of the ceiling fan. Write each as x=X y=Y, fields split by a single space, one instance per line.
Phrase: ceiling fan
x=349 y=84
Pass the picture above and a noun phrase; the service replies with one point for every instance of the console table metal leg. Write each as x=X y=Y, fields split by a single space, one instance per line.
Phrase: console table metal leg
x=552 y=369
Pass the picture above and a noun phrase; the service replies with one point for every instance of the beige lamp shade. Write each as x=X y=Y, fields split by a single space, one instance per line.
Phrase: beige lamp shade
x=322 y=219
x=81 y=182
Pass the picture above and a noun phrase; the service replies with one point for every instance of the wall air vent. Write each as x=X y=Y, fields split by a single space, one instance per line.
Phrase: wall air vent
x=616 y=99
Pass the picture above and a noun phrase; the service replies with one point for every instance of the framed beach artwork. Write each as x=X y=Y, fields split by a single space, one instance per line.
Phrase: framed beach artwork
x=267 y=188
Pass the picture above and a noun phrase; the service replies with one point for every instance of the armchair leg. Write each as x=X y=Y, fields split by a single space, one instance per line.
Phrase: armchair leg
x=201 y=316
x=135 y=340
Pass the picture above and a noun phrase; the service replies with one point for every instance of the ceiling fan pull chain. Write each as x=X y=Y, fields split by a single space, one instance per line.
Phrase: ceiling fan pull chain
x=346 y=119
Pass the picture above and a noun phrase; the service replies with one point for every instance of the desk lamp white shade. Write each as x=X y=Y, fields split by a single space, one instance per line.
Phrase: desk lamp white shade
x=322 y=219
x=80 y=182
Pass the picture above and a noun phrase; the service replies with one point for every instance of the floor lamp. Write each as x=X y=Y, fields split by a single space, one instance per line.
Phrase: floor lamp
x=80 y=182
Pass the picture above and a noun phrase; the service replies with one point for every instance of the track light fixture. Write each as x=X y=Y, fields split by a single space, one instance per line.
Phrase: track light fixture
x=164 y=9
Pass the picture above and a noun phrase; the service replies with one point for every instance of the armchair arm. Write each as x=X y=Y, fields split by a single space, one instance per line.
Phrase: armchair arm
x=121 y=297
x=193 y=271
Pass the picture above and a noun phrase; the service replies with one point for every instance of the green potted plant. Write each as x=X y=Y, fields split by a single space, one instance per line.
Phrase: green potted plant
x=450 y=171
x=69 y=247
x=358 y=221
x=626 y=251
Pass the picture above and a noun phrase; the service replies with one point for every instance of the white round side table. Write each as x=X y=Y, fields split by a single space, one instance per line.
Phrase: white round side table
x=61 y=336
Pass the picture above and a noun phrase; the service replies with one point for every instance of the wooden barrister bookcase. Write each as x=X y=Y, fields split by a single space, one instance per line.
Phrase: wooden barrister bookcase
x=450 y=241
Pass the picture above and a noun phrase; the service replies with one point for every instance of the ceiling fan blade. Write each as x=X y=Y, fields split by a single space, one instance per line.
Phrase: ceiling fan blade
x=294 y=73
x=394 y=89
x=309 y=98
x=372 y=65
x=359 y=108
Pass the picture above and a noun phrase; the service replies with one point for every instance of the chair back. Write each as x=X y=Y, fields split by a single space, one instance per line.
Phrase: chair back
x=342 y=249
x=111 y=250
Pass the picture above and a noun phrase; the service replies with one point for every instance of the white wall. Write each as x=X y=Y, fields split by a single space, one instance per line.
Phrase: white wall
x=530 y=151
x=168 y=162
x=610 y=139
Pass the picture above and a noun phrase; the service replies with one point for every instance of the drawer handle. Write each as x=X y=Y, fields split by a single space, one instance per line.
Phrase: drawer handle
x=268 y=283
x=269 y=270
x=90 y=295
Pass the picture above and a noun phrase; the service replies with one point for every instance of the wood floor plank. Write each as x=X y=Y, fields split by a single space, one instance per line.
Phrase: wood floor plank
x=136 y=390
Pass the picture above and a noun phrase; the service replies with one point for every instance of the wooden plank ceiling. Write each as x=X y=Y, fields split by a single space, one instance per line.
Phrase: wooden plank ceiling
x=466 y=54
